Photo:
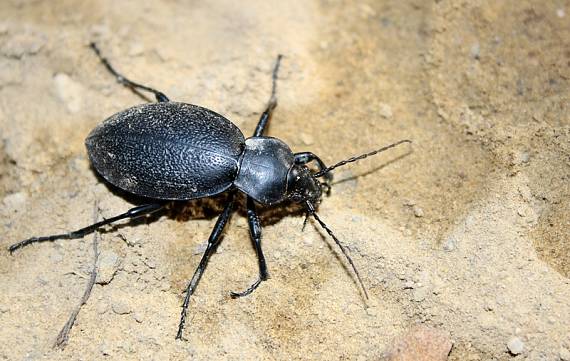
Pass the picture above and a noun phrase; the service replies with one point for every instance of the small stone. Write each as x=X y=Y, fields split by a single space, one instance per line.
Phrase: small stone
x=564 y=354
x=136 y=49
x=15 y=201
x=418 y=212
x=560 y=13
x=449 y=244
x=515 y=346
x=102 y=307
x=475 y=51
x=69 y=92
x=107 y=265
x=121 y=308
x=11 y=73
x=138 y=317
x=27 y=42
x=419 y=294
x=385 y=110
x=105 y=349
x=521 y=212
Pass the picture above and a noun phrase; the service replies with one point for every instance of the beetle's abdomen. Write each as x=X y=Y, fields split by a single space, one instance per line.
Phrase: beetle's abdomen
x=264 y=168
x=167 y=151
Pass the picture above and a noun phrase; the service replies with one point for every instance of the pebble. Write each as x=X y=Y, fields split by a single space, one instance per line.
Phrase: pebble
x=105 y=349
x=409 y=202
x=27 y=42
x=102 y=307
x=564 y=354
x=121 y=308
x=15 y=201
x=449 y=244
x=515 y=346
x=69 y=92
x=138 y=317
x=107 y=265
x=475 y=51
x=136 y=49
x=385 y=110
x=418 y=212
x=11 y=73
x=420 y=294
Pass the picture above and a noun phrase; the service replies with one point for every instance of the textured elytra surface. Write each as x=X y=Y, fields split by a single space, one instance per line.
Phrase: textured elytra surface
x=167 y=151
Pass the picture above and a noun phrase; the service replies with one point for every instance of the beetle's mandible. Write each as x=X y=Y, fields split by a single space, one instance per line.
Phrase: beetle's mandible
x=171 y=151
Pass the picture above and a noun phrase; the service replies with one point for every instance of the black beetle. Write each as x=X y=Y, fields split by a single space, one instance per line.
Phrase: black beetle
x=172 y=151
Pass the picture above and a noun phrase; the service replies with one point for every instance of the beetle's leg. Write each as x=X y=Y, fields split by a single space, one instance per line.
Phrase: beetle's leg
x=160 y=96
x=271 y=104
x=131 y=213
x=255 y=232
x=213 y=242
x=306 y=157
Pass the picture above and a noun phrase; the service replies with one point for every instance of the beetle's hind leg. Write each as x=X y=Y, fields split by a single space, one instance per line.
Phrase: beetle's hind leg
x=271 y=104
x=213 y=242
x=135 y=87
x=255 y=232
x=80 y=233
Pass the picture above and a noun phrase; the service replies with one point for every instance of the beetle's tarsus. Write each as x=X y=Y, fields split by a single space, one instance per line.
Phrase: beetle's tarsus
x=135 y=87
x=272 y=103
x=251 y=288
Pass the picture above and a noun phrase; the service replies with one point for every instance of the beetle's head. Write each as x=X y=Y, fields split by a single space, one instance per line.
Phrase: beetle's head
x=303 y=186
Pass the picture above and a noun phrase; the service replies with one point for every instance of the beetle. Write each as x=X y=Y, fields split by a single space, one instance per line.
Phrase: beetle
x=172 y=151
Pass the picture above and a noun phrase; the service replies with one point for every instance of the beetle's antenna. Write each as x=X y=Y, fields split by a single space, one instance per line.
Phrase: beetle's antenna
x=362 y=156
x=312 y=212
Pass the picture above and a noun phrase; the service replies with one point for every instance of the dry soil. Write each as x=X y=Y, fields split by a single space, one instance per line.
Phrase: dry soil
x=466 y=231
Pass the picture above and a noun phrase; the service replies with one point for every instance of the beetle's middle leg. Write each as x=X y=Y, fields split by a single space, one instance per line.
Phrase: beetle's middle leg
x=255 y=232
x=271 y=104
x=213 y=242
x=135 y=87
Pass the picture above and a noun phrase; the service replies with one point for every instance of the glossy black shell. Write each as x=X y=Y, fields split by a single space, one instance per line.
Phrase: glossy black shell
x=170 y=150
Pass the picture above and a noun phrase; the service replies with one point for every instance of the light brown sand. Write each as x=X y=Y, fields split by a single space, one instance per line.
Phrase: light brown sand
x=468 y=234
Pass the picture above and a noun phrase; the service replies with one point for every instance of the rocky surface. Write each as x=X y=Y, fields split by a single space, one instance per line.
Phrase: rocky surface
x=466 y=232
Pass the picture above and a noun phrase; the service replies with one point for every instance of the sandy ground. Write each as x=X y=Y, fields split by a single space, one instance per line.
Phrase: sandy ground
x=468 y=233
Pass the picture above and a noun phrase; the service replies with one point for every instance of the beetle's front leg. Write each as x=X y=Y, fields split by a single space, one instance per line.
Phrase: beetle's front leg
x=255 y=232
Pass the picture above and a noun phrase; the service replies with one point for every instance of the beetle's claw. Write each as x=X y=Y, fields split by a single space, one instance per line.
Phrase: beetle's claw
x=251 y=288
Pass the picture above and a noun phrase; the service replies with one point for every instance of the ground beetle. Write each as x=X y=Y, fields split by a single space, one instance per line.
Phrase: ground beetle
x=171 y=151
